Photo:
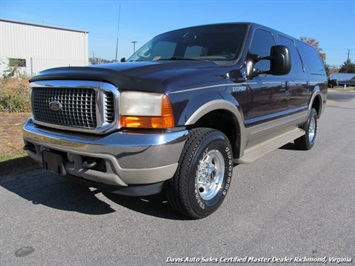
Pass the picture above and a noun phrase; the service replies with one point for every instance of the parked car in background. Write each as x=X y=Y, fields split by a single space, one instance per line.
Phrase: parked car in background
x=343 y=78
x=332 y=83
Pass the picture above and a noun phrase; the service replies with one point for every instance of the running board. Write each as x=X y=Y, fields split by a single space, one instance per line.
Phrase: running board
x=255 y=152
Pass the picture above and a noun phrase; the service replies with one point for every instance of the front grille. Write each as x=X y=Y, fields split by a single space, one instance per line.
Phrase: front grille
x=77 y=106
x=110 y=108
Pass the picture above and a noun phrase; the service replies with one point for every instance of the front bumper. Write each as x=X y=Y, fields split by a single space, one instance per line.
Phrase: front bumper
x=118 y=159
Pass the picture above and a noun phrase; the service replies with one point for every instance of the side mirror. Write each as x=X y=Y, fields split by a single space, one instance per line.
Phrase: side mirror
x=280 y=60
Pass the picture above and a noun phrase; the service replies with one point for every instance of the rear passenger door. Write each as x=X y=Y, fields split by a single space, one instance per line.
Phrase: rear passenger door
x=297 y=89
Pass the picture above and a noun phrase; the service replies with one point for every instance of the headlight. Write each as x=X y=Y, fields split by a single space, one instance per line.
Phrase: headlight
x=145 y=110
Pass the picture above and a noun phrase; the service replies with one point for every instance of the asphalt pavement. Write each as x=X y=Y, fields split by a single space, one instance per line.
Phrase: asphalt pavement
x=289 y=207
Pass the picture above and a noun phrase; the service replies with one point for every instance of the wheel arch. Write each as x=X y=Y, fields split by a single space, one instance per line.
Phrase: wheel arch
x=225 y=117
x=316 y=102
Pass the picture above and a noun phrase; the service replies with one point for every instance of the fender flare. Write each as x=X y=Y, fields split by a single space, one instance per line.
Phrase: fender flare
x=226 y=106
x=317 y=92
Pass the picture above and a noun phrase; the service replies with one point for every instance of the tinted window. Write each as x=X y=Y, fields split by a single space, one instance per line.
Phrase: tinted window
x=163 y=49
x=216 y=42
x=297 y=66
x=261 y=45
x=311 y=59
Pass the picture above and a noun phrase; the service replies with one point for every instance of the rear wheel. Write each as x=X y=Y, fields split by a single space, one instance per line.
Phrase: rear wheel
x=307 y=141
x=204 y=174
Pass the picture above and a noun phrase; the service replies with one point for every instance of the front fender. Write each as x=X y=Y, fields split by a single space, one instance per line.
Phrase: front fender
x=201 y=104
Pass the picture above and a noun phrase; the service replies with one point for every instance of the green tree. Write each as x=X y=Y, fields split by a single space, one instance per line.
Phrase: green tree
x=347 y=67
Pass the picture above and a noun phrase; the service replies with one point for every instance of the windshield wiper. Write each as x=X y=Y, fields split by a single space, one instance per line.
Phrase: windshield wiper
x=178 y=58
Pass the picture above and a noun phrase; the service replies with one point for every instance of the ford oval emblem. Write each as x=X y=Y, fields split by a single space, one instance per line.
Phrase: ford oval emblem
x=55 y=106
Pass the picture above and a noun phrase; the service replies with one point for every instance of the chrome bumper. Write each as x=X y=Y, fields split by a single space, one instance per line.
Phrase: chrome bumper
x=125 y=158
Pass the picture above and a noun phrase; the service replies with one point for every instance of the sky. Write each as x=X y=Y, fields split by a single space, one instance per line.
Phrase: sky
x=331 y=22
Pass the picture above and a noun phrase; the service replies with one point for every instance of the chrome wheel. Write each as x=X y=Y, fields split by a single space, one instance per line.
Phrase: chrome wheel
x=307 y=141
x=203 y=177
x=312 y=130
x=210 y=174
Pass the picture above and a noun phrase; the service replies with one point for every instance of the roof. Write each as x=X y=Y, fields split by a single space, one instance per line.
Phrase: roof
x=342 y=76
x=42 y=26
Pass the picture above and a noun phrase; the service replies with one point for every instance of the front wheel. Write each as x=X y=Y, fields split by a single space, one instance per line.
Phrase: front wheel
x=204 y=174
x=307 y=141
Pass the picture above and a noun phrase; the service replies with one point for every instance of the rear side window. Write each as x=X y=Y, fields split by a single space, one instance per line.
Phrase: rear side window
x=312 y=61
x=261 y=45
x=297 y=67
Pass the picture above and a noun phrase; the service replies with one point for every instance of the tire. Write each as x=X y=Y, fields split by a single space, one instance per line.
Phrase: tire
x=206 y=156
x=307 y=141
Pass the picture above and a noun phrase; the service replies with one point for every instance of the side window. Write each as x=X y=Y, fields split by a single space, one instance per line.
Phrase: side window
x=261 y=45
x=297 y=67
x=312 y=61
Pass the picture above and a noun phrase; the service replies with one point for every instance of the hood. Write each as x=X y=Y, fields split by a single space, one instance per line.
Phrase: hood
x=156 y=76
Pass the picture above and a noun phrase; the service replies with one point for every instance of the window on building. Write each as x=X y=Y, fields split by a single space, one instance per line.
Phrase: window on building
x=17 y=62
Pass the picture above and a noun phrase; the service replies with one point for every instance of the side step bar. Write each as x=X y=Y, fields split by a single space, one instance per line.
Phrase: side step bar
x=255 y=152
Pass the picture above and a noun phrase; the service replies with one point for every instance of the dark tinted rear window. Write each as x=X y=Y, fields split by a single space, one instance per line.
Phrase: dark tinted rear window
x=311 y=59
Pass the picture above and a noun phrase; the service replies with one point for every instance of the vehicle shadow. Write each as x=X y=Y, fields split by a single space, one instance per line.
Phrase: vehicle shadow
x=289 y=146
x=155 y=205
x=40 y=187
x=51 y=190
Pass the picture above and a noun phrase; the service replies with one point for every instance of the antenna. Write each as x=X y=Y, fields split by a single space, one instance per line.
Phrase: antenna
x=118 y=30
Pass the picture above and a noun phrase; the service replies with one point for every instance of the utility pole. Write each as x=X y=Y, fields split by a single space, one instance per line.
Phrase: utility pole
x=118 y=31
x=348 y=58
x=134 y=46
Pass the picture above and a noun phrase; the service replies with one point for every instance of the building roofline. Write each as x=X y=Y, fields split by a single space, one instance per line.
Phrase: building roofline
x=42 y=26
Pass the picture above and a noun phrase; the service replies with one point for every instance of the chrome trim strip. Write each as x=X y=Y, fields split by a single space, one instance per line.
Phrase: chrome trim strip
x=100 y=88
x=205 y=87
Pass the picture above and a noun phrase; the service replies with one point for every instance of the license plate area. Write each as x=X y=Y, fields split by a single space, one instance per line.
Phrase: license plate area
x=53 y=162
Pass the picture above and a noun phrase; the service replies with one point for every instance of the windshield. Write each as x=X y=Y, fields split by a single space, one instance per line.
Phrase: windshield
x=215 y=42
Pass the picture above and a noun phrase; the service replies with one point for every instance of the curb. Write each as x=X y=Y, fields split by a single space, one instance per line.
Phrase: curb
x=17 y=166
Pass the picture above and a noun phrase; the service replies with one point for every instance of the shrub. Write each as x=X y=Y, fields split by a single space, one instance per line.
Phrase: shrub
x=15 y=95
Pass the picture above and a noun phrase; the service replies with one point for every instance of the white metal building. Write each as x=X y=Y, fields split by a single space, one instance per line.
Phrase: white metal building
x=38 y=47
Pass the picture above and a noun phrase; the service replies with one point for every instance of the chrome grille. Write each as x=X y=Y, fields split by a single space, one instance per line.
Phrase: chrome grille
x=78 y=106
x=110 y=108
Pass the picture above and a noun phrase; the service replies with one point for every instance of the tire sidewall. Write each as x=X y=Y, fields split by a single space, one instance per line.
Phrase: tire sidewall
x=313 y=114
x=216 y=141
